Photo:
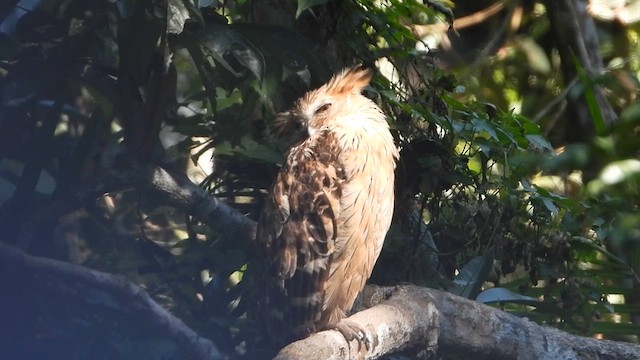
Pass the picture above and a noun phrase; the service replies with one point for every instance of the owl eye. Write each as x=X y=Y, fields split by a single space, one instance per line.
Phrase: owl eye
x=298 y=124
x=323 y=108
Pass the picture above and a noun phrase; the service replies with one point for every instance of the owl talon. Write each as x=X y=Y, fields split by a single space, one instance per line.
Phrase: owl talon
x=353 y=331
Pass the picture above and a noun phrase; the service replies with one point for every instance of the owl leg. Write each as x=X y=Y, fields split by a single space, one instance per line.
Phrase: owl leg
x=353 y=331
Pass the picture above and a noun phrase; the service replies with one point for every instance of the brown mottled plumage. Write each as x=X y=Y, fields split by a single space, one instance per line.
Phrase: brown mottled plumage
x=322 y=229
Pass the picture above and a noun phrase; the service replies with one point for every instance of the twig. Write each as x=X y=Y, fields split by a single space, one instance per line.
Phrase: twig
x=461 y=23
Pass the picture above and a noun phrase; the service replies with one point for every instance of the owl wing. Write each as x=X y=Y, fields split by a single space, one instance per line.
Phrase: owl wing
x=297 y=232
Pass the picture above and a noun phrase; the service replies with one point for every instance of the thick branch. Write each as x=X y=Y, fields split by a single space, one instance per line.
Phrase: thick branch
x=394 y=325
x=178 y=191
x=14 y=261
x=427 y=320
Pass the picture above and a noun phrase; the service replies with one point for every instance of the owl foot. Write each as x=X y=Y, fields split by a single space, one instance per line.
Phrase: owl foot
x=353 y=331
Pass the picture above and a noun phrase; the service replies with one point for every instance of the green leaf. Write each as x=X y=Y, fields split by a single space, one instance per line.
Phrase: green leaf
x=473 y=275
x=575 y=156
x=224 y=41
x=227 y=100
x=288 y=49
x=548 y=203
x=503 y=295
x=306 y=4
x=536 y=56
x=592 y=244
x=483 y=125
x=224 y=148
x=255 y=150
x=590 y=96
x=540 y=142
x=509 y=135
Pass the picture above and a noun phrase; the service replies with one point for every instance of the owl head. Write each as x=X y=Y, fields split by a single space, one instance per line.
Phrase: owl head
x=339 y=101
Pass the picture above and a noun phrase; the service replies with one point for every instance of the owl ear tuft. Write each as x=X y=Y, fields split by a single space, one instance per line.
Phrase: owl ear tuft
x=351 y=80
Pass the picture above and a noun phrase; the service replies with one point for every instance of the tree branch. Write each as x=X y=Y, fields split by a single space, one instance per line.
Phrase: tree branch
x=178 y=191
x=170 y=188
x=14 y=261
x=428 y=320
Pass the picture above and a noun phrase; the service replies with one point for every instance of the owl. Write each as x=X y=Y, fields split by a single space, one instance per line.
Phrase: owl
x=324 y=223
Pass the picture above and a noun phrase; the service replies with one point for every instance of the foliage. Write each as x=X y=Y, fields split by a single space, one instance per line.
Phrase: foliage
x=487 y=207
